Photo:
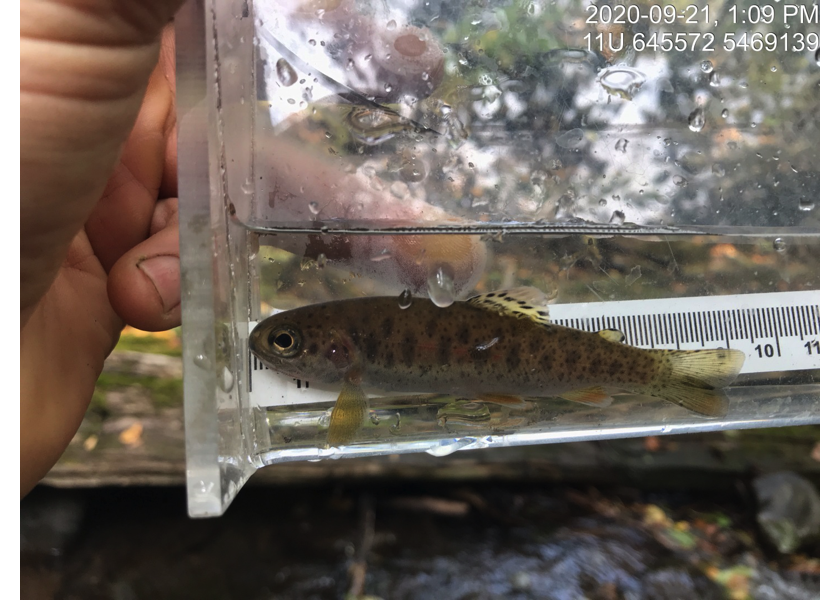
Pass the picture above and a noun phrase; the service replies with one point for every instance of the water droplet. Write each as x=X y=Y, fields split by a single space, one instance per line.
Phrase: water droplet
x=718 y=169
x=617 y=218
x=806 y=204
x=391 y=25
x=773 y=69
x=203 y=361
x=322 y=261
x=697 y=120
x=616 y=197
x=285 y=72
x=602 y=202
x=388 y=87
x=405 y=299
x=706 y=66
x=622 y=81
x=634 y=274
x=725 y=113
x=312 y=42
x=396 y=426
x=779 y=245
x=714 y=79
x=374 y=419
x=732 y=145
x=368 y=57
x=621 y=145
x=313 y=208
x=442 y=286
x=679 y=181
x=570 y=139
x=817 y=56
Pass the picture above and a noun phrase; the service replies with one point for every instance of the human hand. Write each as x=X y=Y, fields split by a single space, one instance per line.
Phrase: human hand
x=99 y=239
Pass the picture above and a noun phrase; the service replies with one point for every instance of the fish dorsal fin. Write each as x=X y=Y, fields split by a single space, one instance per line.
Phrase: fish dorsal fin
x=522 y=302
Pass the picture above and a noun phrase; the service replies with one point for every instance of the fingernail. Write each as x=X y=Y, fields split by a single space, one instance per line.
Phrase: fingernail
x=165 y=274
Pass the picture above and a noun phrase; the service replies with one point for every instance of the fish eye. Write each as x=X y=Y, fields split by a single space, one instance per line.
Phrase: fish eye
x=286 y=341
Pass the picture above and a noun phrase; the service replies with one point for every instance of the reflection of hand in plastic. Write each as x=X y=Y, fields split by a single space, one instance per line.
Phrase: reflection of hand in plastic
x=301 y=184
x=302 y=180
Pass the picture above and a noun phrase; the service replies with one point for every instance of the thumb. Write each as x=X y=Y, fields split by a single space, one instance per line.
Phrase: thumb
x=84 y=66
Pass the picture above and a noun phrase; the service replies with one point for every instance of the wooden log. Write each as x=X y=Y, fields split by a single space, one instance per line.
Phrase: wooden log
x=133 y=434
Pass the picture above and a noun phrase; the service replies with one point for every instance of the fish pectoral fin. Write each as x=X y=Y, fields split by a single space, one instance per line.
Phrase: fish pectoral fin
x=522 y=302
x=591 y=396
x=503 y=400
x=613 y=335
x=348 y=415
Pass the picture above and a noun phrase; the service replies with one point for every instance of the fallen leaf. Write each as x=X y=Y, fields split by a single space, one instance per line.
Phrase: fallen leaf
x=131 y=435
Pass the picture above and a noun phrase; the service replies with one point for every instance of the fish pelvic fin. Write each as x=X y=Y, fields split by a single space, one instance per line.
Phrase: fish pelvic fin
x=695 y=379
x=348 y=415
x=591 y=396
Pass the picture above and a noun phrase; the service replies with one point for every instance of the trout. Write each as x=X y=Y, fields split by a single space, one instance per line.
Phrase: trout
x=497 y=347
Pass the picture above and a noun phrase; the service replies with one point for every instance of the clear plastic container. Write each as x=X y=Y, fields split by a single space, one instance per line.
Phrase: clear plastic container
x=331 y=150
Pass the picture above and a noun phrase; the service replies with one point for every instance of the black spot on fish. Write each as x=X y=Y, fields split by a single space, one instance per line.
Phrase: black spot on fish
x=409 y=350
x=463 y=335
x=389 y=359
x=387 y=327
x=431 y=327
x=313 y=348
x=444 y=350
x=491 y=295
x=512 y=359
x=547 y=361
x=503 y=294
x=535 y=344
x=371 y=348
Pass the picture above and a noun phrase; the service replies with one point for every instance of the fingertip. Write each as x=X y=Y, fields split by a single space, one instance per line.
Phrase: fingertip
x=144 y=286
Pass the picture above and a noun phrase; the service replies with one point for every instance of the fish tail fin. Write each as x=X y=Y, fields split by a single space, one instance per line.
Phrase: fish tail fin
x=348 y=415
x=695 y=378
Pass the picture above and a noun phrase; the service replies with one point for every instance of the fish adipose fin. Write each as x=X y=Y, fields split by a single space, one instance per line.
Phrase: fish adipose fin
x=591 y=396
x=522 y=302
x=696 y=378
x=348 y=416
x=613 y=335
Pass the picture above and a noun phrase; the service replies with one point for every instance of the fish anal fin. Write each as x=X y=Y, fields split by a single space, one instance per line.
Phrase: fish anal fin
x=348 y=415
x=591 y=396
x=522 y=302
x=613 y=335
x=503 y=400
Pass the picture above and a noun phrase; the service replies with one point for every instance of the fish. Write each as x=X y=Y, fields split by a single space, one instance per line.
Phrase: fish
x=498 y=347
